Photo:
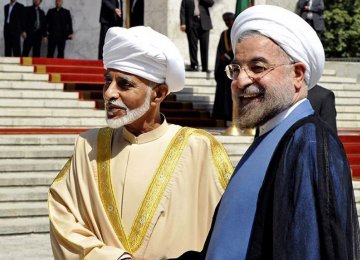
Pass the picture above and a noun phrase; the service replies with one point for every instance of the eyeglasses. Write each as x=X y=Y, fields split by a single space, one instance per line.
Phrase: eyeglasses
x=255 y=71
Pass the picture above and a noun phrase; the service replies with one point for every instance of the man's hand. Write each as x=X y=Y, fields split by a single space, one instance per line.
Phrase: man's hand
x=183 y=27
x=24 y=35
x=118 y=12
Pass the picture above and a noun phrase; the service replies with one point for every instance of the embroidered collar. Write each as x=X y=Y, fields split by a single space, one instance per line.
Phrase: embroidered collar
x=146 y=137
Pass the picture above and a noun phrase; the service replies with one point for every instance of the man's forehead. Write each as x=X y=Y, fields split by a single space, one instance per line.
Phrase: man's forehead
x=125 y=75
x=256 y=48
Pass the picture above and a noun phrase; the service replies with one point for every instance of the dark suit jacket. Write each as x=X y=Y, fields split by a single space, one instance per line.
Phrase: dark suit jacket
x=323 y=102
x=59 y=23
x=187 y=13
x=16 y=25
x=30 y=19
x=317 y=9
x=107 y=13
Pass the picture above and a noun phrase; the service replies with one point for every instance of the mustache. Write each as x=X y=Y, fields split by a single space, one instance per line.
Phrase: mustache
x=253 y=89
x=115 y=103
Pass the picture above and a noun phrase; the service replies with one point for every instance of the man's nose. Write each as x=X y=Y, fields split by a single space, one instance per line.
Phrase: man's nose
x=111 y=92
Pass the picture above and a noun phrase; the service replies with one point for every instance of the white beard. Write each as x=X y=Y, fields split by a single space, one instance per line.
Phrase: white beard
x=131 y=115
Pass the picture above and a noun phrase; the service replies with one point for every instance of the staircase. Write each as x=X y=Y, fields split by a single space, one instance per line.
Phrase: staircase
x=39 y=122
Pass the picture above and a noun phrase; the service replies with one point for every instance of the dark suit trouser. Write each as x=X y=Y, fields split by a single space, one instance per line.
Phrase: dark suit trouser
x=195 y=34
x=56 y=42
x=33 y=40
x=103 y=29
x=12 y=43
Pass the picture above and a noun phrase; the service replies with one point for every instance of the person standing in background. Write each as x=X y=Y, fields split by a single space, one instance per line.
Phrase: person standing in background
x=35 y=29
x=13 y=27
x=312 y=12
x=111 y=14
x=222 y=108
x=195 y=20
x=323 y=102
x=59 y=28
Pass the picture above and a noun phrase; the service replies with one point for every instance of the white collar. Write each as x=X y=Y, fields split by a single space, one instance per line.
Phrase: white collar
x=278 y=118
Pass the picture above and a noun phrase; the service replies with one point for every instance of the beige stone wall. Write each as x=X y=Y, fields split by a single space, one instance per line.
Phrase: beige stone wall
x=164 y=16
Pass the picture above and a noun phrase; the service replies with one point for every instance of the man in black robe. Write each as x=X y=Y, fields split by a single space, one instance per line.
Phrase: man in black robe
x=291 y=195
x=222 y=108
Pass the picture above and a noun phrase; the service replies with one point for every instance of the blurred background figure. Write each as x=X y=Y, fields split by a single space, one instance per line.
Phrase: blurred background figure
x=59 y=28
x=222 y=108
x=35 y=29
x=312 y=12
x=323 y=102
x=195 y=20
x=13 y=27
x=111 y=14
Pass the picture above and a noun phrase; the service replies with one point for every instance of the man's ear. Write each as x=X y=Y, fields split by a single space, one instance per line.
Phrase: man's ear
x=161 y=91
x=299 y=77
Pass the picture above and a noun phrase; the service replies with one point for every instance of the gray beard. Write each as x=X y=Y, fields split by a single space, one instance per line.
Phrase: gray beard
x=272 y=103
x=131 y=115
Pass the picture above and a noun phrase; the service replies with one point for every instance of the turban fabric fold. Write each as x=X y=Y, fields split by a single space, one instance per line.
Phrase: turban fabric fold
x=294 y=35
x=143 y=52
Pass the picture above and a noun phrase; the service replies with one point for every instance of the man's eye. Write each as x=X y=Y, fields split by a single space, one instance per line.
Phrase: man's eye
x=107 y=81
x=258 y=68
x=124 y=84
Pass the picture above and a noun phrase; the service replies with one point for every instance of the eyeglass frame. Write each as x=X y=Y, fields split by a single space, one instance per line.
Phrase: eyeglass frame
x=256 y=76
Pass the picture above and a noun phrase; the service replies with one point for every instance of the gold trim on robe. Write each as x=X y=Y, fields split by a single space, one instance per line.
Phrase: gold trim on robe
x=157 y=186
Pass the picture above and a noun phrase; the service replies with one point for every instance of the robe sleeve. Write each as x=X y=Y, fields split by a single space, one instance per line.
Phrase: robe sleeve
x=72 y=236
x=306 y=208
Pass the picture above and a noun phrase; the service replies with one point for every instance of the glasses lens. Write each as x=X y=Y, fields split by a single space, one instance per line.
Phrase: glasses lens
x=232 y=71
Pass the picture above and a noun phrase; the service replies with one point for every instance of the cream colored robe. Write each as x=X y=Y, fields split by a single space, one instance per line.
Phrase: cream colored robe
x=97 y=205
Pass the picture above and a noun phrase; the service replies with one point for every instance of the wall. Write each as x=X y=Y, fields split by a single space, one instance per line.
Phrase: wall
x=162 y=15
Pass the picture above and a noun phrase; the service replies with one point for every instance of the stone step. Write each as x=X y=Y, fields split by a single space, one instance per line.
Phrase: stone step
x=27 y=178
x=35 y=151
x=43 y=139
x=50 y=122
x=348 y=124
x=336 y=79
x=10 y=60
x=30 y=85
x=348 y=117
x=35 y=193
x=24 y=225
x=35 y=95
x=46 y=103
x=23 y=209
x=347 y=109
x=16 y=68
x=32 y=165
x=52 y=112
x=15 y=76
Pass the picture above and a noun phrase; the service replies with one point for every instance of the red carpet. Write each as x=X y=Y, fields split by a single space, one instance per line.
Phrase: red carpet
x=351 y=142
x=76 y=78
x=43 y=69
x=56 y=61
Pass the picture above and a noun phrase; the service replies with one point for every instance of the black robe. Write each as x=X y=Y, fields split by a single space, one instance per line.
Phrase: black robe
x=279 y=231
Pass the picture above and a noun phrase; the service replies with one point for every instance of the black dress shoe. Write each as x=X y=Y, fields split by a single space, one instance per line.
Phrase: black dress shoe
x=192 y=68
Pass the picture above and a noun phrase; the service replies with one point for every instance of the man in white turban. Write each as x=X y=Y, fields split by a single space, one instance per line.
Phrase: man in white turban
x=141 y=188
x=291 y=195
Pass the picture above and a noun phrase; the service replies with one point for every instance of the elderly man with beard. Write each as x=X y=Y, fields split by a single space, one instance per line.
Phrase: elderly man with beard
x=291 y=195
x=142 y=187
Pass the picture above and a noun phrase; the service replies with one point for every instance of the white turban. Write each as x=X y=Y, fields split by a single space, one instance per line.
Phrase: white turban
x=146 y=53
x=294 y=35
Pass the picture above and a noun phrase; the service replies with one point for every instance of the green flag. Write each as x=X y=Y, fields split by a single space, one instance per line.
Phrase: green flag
x=241 y=5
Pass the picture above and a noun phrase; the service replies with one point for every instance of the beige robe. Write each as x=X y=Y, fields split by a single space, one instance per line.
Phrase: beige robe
x=153 y=198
